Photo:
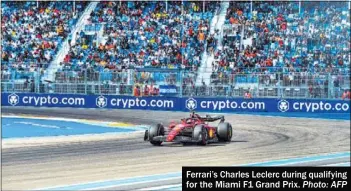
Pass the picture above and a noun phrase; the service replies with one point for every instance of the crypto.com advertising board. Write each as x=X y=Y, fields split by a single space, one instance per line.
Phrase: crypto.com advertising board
x=177 y=104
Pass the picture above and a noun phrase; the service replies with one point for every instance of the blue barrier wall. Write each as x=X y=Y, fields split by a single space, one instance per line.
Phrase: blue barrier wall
x=230 y=105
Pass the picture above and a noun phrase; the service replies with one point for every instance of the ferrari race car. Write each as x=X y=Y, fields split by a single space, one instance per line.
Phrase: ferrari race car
x=194 y=129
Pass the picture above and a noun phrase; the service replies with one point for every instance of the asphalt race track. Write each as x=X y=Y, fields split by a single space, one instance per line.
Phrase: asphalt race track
x=256 y=139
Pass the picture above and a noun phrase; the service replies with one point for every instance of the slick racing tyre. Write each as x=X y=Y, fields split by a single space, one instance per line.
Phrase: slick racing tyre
x=200 y=134
x=224 y=132
x=154 y=131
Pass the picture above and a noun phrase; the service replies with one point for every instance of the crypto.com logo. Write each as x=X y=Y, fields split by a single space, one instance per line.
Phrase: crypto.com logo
x=101 y=101
x=191 y=104
x=13 y=99
x=283 y=105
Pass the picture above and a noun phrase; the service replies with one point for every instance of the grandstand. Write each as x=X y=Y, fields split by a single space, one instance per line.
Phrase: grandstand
x=271 y=49
x=32 y=34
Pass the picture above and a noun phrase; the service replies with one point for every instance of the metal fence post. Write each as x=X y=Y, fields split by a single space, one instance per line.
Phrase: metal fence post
x=279 y=85
x=258 y=86
x=181 y=84
x=130 y=77
x=4 y=86
x=13 y=81
x=38 y=81
x=330 y=87
x=99 y=83
x=85 y=82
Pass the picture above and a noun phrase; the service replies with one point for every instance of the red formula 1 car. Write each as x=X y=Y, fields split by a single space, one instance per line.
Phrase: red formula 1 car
x=194 y=129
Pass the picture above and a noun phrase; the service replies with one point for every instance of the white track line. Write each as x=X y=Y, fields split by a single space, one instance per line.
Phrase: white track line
x=161 y=187
x=82 y=121
x=339 y=164
x=133 y=183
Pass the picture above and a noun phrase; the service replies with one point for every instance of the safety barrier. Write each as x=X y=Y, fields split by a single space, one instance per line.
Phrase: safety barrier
x=201 y=104
x=294 y=85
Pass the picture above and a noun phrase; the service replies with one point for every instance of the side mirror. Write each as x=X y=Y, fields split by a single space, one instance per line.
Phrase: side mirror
x=222 y=120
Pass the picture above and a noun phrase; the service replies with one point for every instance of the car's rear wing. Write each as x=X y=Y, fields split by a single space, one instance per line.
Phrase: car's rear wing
x=213 y=118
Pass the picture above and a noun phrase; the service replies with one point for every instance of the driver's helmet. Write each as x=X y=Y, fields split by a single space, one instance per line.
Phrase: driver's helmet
x=192 y=115
x=188 y=121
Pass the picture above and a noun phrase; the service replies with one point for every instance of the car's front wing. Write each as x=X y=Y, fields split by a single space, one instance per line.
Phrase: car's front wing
x=181 y=139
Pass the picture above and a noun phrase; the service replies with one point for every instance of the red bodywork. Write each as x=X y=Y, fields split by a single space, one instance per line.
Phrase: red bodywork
x=176 y=128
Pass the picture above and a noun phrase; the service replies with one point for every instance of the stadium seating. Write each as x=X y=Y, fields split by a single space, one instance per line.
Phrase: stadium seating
x=276 y=38
x=142 y=35
x=32 y=34
x=274 y=47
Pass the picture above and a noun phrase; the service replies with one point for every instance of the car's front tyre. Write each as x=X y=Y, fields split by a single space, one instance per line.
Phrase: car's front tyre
x=224 y=132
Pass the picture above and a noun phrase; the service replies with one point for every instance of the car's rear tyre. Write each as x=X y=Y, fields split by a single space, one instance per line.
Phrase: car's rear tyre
x=154 y=131
x=224 y=132
x=200 y=134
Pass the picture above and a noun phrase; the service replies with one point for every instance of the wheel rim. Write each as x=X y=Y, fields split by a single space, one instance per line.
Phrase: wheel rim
x=204 y=138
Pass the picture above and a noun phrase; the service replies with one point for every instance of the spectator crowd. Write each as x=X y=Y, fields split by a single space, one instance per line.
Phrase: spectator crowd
x=143 y=35
x=282 y=43
x=32 y=33
x=275 y=37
